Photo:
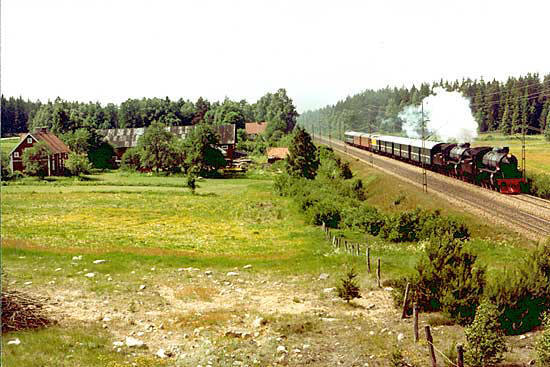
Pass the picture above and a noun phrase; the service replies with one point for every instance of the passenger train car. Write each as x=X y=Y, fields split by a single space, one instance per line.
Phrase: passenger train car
x=493 y=168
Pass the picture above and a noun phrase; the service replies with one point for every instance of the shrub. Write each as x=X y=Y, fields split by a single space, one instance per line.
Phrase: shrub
x=539 y=184
x=325 y=210
x=448 y=279
x=485 y=343
x=102 y=156
x=523 y=296
x=348 y=288
x=543 y=343
x=78 y=164
x=5 y=163
x=365 y=218
x=437 y=226
x=131 y=159
x=402 y=226
x=35 y=160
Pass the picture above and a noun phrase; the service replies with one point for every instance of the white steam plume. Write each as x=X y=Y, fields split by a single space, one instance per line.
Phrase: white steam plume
x=448 y=114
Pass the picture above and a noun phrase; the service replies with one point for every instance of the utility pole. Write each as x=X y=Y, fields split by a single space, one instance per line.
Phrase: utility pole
x=329 y=133
x=370 y=142
x=424 y=173
x=523 y=150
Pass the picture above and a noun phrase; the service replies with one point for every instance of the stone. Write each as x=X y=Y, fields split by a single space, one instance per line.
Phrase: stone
x=139 y=333
x=106 y=319
x=388 y=289
x=328 y=290
x=232 y=274
x=248 y=266
x=58 y=269
x=134 y=343
x=258 y=322
x=243 y=334
x=89 y=275
x=15 y=341
x=76 y=258
x=323 y=276
x=208 y=272
x=371 y=332
x=27 y=283
x=161 y=353
x=281 y=349
x=142 y=287
x=118 y=344
x=521 y=337
x=328 y=319
x=99 y=261
x=400 y=337
x=306 y=346
x=371 y=306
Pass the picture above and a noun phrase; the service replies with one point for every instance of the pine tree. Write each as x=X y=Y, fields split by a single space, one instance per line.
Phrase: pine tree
x=485 y=343
x=348 y=288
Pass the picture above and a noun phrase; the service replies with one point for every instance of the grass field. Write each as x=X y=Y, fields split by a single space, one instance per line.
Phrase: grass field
x=7 y=144
x=148 y=228
x=537 y=149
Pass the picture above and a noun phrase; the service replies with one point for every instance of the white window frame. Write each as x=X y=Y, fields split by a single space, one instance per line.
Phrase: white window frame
x=29 y=140
x=15 y=154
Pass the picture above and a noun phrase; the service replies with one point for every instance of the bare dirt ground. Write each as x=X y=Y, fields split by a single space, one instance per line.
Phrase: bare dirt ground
x=214 y=318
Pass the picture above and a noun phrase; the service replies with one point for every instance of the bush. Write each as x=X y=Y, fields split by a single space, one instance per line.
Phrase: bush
x=131 y=159
x=348 y=288
x=539 y=184
x=448 y=280
x=325 y=210
x=78 y=164
x=485 y=343
x=402 y=226
x=102 y=156
x=5 y=167
x=524 y=295
x=365 y=218
x=35 y=160
x=543 y=343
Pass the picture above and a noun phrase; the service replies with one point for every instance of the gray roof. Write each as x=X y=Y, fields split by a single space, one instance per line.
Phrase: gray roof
x=128 y=138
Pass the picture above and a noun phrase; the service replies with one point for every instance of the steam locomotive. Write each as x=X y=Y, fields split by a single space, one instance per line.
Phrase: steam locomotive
x=493 y=168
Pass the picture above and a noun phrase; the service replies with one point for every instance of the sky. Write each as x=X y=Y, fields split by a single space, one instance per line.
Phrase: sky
x=319 y=51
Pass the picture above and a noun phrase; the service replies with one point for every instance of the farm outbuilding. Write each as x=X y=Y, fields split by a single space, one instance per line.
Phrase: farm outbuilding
x=253 y=129
x=123 y=139
x=55 y=164
x=276 y=154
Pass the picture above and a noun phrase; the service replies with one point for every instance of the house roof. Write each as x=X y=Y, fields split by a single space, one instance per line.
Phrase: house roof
x=50 y=139
x=277 y=152
x=128 y=138
x=255 y=127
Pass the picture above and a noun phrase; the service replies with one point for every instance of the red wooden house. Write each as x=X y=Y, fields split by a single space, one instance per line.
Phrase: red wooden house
x=55 y=163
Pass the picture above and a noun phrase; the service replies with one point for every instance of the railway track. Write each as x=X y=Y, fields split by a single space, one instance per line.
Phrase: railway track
x=525 y=214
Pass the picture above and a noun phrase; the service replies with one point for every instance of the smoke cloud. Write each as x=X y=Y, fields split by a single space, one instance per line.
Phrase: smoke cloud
x=448 y=116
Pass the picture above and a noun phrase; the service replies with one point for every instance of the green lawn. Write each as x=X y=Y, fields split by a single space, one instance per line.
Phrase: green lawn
x=140 y=222
x=537 y=149
x=7 y=144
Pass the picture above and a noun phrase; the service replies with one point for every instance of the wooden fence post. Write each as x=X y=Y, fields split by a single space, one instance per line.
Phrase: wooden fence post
x=460 y=355
x=405 y=299
x=415 y=322
x=430 y=345
x=368 y=259
x=378 y=272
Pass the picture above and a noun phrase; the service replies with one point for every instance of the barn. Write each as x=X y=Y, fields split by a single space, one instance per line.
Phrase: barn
x=56 y=160
x=253 y=129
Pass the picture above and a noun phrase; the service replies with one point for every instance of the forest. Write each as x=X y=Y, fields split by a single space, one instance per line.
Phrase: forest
x=497 y=106
x=61 y=116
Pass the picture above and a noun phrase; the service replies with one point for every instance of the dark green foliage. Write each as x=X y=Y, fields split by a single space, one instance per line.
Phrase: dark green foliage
x=131 y=159
x=157 y=148
x=348 y=288
x=365 y=218
x=78 y=141
x=302 y=160
x=35 y=160
x=522 y=296
x=397 y=359
x=543 y=343
x=278 y=110
x=485 y=343
x=539 y=184
x=324 y=210
x=5 y=166
x=102 y=157
x=16 y=115
x=78 y=164
x=418 y=225
x=201 y=155
x=449 y=280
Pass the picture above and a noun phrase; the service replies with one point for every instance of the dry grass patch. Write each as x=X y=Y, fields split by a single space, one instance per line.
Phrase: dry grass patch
x=197 y=293
x=217 y=317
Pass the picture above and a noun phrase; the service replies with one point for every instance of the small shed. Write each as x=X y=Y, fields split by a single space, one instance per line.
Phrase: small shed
x=276 y=154
x=56 y=160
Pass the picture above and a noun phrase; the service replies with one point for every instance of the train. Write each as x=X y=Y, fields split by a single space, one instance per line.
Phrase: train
x=494 y=168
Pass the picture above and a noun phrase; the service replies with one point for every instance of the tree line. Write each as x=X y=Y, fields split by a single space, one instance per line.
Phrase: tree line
x=497 y=106
x=62 y=116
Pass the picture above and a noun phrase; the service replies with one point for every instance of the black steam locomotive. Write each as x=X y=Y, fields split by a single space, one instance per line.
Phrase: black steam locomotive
x=493 y=168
